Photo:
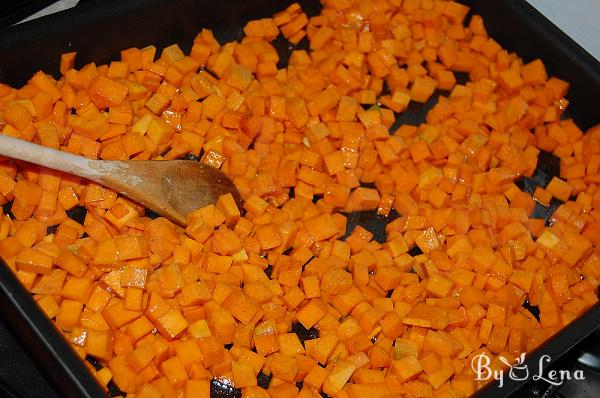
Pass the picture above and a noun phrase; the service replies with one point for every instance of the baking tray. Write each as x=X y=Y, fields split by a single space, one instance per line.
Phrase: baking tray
x=13 y=11
x=98 y=30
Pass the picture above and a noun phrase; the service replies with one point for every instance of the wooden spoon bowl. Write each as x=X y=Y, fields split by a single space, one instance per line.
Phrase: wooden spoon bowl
x=171 y=188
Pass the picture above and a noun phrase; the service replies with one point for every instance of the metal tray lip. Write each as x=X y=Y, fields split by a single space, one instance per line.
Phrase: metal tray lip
x=97 y=10
x=527 y=11
x=21 y=10
x=563 y=57
x=94 y=9
x=578 y=54
x=67 y=19
x=28 y=321
x=555 y=347
x=555 y=30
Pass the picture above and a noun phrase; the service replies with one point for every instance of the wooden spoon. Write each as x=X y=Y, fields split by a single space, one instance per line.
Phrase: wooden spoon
x=171 y=188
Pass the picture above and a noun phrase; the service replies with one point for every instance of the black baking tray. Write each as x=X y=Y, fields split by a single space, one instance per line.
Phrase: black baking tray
x=98 y=30
x=13 y=11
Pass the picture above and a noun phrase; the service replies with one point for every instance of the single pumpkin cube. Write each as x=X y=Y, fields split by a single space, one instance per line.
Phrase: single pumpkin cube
x=171 y=324
x=422 y=88
x=200 y=329
x=133 y=299
x=132 y=247
x=243 y=375
x=316 y=376
x=32 y=260
x=68 y=317
x=116 y=315
x=105 y=92
x=312 y=313
x=406 y=368
x=134 y=277
x=196 y=389
x=78 y=289
x=438 y=286
x=219 y=264
x=321 y=227
x=226 y=242
x=290 y=344
x=226 y=205
x=222 y=326
x=338 y=377
x=195 y=293
x=174 y=371
x=141 y=356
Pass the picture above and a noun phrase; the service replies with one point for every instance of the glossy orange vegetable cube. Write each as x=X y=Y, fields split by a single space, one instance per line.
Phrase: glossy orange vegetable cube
x=32 y=260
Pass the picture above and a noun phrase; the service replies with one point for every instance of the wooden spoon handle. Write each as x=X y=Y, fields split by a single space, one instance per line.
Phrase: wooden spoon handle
x=51 y=158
